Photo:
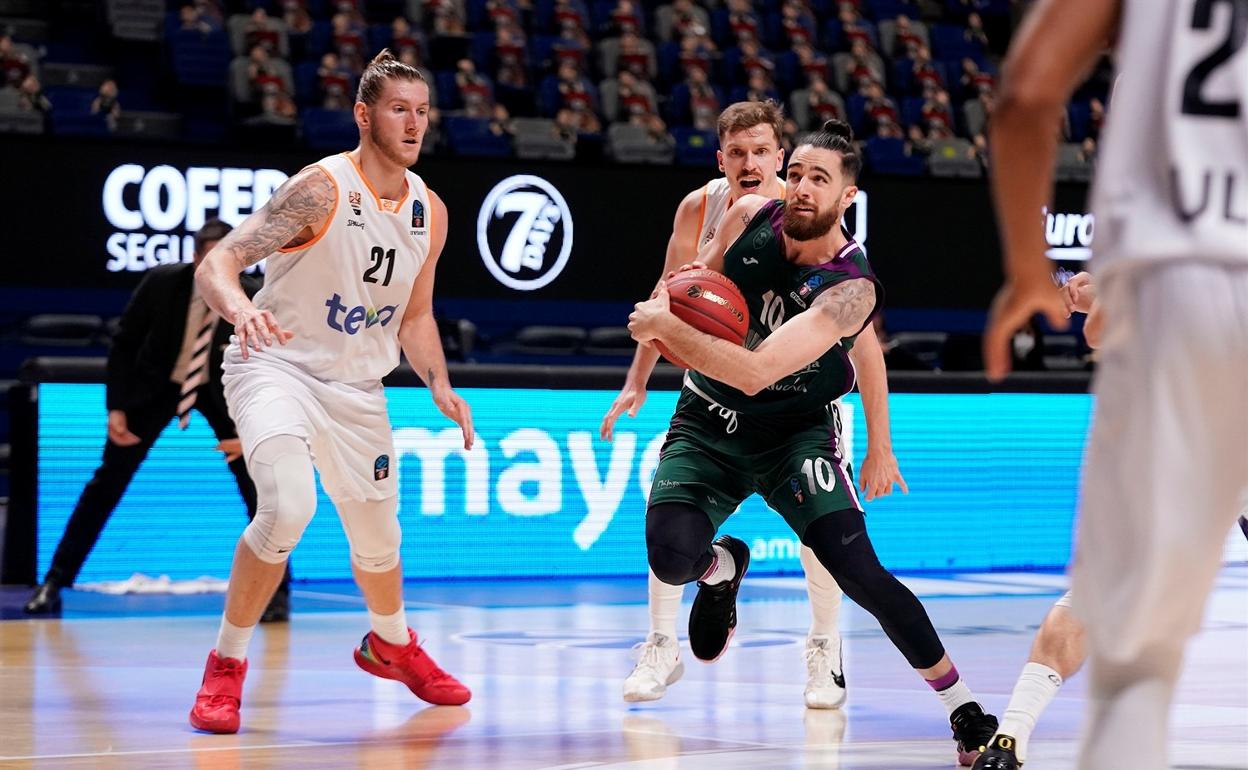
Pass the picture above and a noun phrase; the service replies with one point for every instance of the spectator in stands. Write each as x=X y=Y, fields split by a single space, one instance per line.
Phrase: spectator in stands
x=448 y=21
x=704 y=106
x=864 y=66
x=974 y=81
x=14 y=63
x=579 y=119
x=937 y=111
x=656 y=129
x=678 y=19
x=575 y=91
x=475 y=90
x=792 y=131
x=798 y=23
x=264 y=74
x=853 y=28
x=404 y=38
x=743 y=22
x=571 y=12
x=264 y=31
x=333 y=83
x=975 y=31
x=276 y=109
x=191 y=19
x=500 y=122
x=637 y=56
x=106 y=104
x=879 y=107
x=824 y=103
x=754 y=59
x=761 y=89
x=624 y=17
x=502 y=13
x=298 y=28
x=509 y=52
x=153 y=377
x=348 y=41
x=925 y=72
x=697 y=50
x=31 y=97
x=635 y=99
x=887 y=128
x=905 y=39
x=812 y=63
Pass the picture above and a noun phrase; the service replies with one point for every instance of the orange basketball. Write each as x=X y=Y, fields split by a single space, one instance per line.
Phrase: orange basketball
x=709 y=302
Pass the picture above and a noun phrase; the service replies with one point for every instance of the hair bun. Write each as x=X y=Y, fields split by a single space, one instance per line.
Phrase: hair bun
x=839 y=128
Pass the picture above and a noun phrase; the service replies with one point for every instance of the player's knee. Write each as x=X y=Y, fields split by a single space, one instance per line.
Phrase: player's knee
x=374 y=533
x=281 y=468
x=677 y=539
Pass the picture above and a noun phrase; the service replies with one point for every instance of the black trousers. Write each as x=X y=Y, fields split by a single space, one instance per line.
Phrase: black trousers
x=102 y=493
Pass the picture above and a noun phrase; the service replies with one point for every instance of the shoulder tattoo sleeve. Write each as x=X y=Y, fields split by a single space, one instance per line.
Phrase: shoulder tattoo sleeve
x=304 y=200
x=848 y=304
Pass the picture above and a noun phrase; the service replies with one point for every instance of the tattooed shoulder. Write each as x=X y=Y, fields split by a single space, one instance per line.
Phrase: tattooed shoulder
x=303 y=201
x=848 y=304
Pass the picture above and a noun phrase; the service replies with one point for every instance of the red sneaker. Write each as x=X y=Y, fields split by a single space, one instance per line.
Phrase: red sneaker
x=218 y=699
x=412 y=666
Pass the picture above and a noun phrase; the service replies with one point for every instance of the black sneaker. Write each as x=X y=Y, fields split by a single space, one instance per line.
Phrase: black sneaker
x=972 y=729
x=999 y=755
x=714 y=614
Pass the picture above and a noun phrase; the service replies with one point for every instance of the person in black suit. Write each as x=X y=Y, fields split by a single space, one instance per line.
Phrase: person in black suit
x=165 y=360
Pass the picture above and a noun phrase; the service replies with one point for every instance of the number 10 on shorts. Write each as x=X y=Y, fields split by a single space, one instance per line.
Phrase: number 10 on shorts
x=818 y=468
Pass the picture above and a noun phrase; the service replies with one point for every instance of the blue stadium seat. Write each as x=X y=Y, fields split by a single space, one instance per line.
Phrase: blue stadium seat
x=329 y=129
x=695 y=147
x=1080 y=114
x=305 y=74
x=472 y=136
x=448 y=91
x=890 y=9
x=200 y=60
x=888 y=156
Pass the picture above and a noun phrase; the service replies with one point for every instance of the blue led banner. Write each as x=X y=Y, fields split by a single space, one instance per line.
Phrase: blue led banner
x=993 y=481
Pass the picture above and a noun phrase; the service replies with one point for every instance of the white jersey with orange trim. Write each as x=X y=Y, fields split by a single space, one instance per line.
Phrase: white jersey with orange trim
x=716 y=200
x=1172 y=180
x=344 y=292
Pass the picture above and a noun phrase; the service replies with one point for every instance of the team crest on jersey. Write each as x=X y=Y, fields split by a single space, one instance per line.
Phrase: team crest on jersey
x=796 y=486
x=761 y=239
x=381 y=467
x=354 y=199
x=418 y=215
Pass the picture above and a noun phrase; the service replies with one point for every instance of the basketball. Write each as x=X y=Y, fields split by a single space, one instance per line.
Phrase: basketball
x=709 y=302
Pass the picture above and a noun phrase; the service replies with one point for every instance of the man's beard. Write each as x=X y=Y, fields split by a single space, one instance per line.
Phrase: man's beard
x=387 y=152
x=801 y=229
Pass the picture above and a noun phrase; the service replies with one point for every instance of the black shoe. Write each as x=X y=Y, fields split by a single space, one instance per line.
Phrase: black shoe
x=972 y=729
x=714 y=614
x=278 y=610
x=46 y=600
x=999 y=755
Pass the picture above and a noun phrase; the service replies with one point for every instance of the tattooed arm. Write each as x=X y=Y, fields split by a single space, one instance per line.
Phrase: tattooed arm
x=294 y=215
x=837 y=313
x=418 y=332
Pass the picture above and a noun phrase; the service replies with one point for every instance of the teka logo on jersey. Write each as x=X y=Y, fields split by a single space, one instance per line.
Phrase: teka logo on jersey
x=1069 y=235
x=524 y=232
x=156 y=211
x=350 y=320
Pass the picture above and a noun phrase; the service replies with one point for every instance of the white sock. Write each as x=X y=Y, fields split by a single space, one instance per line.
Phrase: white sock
x=664 y=606
x=722 y=569
x=955 y=695
x=825 y=596
x=1036 y=688
x=391 y=628
x=232 y=640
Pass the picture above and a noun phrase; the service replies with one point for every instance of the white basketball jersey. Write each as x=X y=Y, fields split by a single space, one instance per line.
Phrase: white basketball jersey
x=1172 y=181
x=344 y=292
x=716 y=200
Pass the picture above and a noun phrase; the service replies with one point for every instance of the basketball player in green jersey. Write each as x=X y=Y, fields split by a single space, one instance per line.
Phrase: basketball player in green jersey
x=762 y=418
x=750 y=157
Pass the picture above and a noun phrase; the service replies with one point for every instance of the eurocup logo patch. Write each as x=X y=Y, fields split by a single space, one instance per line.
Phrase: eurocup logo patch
x=524 y=232
x=418 y=215
x=381 y=467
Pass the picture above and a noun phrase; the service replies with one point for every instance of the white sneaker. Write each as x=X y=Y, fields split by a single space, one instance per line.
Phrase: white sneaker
x=658 y=665
x=825 y=676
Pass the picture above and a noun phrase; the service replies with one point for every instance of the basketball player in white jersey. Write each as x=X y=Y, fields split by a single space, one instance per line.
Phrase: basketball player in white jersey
x=750 y=158
x=1167 y=459
x=352 y=242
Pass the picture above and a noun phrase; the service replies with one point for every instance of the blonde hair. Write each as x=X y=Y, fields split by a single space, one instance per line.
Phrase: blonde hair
x=383 y=67
x=743 y=115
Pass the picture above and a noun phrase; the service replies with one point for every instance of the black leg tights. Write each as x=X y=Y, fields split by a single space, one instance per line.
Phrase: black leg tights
x=841 y=543
x=678 y=541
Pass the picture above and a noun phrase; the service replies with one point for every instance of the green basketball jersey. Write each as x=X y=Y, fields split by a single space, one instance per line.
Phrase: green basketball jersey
x=775 y=291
